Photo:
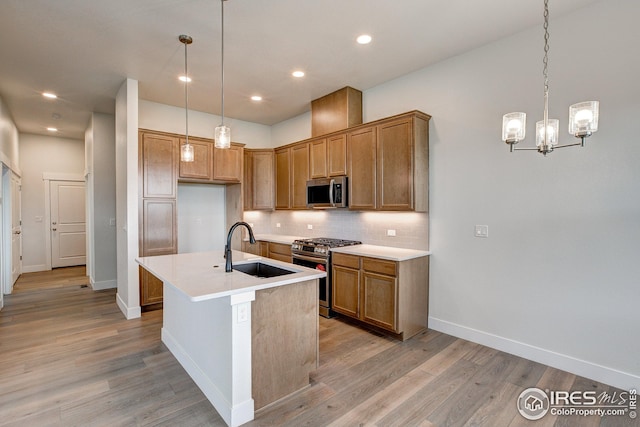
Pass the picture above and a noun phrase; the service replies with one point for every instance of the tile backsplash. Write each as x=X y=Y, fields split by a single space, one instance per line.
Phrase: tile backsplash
x=411 y=228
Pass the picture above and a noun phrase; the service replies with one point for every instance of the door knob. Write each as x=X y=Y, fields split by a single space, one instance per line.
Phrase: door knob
x=54 y=223
x=54 y=229
x=16 y=232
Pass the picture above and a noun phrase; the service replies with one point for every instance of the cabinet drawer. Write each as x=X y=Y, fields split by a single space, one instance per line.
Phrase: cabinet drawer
x=352 y=261
x=279 y=248
x=376 y=265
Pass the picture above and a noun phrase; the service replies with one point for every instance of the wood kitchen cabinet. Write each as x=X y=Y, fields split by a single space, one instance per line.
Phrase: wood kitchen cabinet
x=158 y=165
x=283 y=178
x=362 y=168
x=337 y=155
x=227 y=163
x=388 y=295
x=389 y=164
x=201 y=167
x=318 y=158
x=328 y=156
x=346 y=284
x=292 y=174
x=260 y=248
x=280 y=252
x=158 y=168
x=299 y=175
x=258 y=179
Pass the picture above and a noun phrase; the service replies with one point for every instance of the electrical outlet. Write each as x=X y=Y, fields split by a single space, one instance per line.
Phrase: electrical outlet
x=309 y=227
x=482 y=231
x=277 y=225
x=251 y=224
x=243 y=312
x=391 y=233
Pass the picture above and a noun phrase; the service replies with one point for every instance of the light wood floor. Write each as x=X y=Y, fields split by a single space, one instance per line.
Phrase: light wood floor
x=69 y=358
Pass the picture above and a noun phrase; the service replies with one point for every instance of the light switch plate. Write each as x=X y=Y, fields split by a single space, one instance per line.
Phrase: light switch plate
x=309 y=227
x=482 y=231
x=391 y=233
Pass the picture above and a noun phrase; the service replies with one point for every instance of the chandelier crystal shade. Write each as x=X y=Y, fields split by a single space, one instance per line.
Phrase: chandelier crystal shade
x=222 y=134
x=583 y=116
x=186 y=149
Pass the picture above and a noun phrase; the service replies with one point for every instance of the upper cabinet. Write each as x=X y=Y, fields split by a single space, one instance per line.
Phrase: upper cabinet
x=362 y=168
x=158 y=164
x=227 y=164
x=299 y=175
x=258 y=179
x=283 y=178
x=389 y=164
x=200 y=168
x=386 y=161
x=337 y=154
x=318 y=158
x=292 y=174
x=328 y=156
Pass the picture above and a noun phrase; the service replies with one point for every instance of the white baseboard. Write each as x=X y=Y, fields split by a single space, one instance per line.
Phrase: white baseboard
x=603 y=374
x=104 y=284
x=34 y=268
x=129 y=312
x=233 y=415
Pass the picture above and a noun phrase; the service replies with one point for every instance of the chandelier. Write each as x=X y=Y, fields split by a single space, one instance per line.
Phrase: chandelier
x=583 y=116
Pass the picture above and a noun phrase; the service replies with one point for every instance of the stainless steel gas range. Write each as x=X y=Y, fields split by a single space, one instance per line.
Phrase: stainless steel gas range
x=316 y=253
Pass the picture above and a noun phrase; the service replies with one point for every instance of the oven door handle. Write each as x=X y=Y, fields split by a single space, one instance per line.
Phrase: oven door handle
x=311 y=259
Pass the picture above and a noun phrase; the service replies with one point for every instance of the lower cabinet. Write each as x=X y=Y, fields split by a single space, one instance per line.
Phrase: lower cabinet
x=150 y=290
x=392 y=295
x=277 y=251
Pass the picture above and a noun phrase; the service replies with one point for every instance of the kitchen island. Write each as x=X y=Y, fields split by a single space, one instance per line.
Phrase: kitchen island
x=246 y=341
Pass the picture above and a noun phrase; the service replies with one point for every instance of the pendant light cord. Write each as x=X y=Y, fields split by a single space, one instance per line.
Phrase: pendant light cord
x=545 y=72
x=222 y=59
x=186 y=95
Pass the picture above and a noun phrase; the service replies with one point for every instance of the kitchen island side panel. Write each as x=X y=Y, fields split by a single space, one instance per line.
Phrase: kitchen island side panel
x=214 y=348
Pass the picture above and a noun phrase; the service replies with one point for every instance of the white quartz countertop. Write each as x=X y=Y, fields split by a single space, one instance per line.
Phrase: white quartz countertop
x=201 y=275
x=382 y=252
x=276 y=238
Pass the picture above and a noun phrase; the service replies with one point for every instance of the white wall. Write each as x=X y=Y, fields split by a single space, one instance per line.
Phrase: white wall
x=101 y=183
x=126 y=152
x=557 y=278
x=42 y=154
x=9 y=153
x=167 y=118
x=201 y=218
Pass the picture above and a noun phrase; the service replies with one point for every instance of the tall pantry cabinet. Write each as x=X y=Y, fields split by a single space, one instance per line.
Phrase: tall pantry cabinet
x=158 y=168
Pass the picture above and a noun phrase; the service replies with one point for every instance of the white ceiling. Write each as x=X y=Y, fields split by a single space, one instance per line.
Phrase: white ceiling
x=84 y=49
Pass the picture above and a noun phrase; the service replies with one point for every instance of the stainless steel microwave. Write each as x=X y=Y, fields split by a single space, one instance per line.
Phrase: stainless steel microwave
x=327 y=193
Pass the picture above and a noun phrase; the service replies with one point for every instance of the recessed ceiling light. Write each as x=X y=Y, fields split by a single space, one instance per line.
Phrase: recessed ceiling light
x=364 y=39
x=49 y=95
x=52 y=129
x=298 y=73
x=184 y=79
x=256 y=98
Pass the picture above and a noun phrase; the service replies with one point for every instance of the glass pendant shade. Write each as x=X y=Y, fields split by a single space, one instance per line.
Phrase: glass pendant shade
x=222 y=137
x=513 y=127
x=552 y=133
x=583 y=118
x=186 y=153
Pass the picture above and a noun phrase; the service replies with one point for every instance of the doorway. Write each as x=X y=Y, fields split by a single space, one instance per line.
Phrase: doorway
x=67 y=219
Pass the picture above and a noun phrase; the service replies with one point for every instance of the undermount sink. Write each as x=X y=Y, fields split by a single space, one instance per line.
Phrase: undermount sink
x=259 y=269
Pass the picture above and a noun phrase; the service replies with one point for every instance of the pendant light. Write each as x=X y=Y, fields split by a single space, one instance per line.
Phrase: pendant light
x=222 y=133
x=583 y=116
x=186 y=150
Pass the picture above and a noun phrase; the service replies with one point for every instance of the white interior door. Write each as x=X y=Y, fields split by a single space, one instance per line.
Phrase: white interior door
x=68 y=226
x=16 y=229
